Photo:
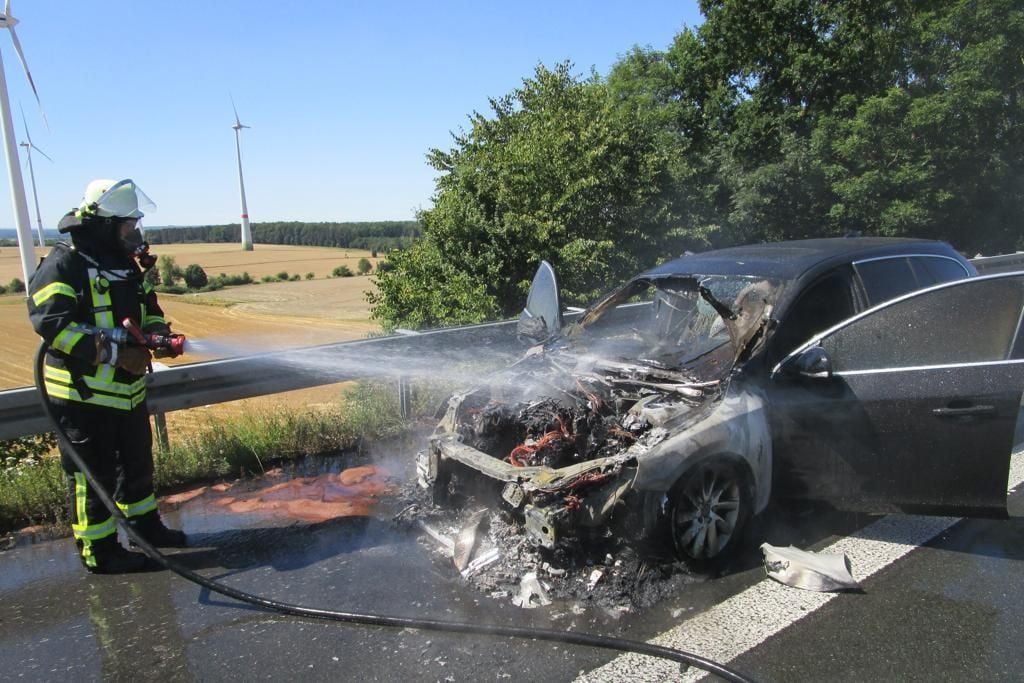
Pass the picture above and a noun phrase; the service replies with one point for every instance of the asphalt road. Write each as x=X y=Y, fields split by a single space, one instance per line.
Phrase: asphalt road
x=948 y=608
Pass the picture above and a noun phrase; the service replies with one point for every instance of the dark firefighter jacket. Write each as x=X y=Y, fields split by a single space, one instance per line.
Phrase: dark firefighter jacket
x=79 y=291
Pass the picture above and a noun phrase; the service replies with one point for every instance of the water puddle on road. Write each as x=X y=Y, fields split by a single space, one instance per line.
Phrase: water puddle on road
x=281 y=496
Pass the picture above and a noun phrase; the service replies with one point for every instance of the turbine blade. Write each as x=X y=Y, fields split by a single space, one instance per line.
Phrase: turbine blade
x=41 y=152
x=235 y=109
x=25 y=123
x=24 y=65
x=7 y=8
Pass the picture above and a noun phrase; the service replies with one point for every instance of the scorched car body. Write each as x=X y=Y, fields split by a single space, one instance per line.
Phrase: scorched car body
x=850 y=371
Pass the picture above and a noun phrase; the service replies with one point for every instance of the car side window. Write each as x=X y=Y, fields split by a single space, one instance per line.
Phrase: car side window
x=823 y=304
x=933 y=270
x=972 y=321
x=885 y=279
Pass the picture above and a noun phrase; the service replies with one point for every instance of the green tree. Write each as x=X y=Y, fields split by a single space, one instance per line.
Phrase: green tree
x=195 y=277
x=804 y=118
x=16 y=285
x=364 y=266
x=560 y=172
x=342 y=271
x=168 y=270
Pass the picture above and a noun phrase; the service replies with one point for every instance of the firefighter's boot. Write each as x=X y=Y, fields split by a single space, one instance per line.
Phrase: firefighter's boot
x=152 y=528
x=107 y=556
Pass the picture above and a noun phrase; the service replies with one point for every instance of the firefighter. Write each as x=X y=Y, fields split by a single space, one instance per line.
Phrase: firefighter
x=94 y=377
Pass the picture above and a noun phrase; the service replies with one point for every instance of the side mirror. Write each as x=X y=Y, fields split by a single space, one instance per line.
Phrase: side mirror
x=543 y=315
x=812 y=362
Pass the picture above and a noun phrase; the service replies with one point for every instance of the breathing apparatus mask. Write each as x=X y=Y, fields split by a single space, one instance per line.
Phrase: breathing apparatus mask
x=120 y=205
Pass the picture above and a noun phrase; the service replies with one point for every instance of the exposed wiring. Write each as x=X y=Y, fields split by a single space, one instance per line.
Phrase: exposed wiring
x=367 y=618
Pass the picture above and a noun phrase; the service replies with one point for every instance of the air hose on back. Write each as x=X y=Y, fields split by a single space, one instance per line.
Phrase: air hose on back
x=366 y=618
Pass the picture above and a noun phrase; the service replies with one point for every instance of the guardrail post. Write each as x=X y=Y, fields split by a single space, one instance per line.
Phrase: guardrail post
x=160 y=424
x=404 y=408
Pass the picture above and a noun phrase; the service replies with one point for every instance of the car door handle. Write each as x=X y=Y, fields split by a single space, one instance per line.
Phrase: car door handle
x=965 y=411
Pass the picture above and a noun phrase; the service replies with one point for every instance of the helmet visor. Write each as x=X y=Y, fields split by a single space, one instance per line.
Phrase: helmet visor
x=126 y=200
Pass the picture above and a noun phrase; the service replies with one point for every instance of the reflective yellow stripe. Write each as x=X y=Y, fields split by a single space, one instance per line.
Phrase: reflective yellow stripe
x=100 y=300
x=105 y=377
x=51 y=290
x=152 y=320
x=66 y=340
x=80 y=488
x=147 y=504
x=84 y=532
x=97 y=383
x=70 y=394
x=94 y=532
x=58 y=385
x=95 y=400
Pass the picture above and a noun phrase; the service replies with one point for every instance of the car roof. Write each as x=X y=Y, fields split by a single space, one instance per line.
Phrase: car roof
x=792 y=260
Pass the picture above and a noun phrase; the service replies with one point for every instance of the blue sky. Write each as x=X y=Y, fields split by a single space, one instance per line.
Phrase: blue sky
x=344 y=99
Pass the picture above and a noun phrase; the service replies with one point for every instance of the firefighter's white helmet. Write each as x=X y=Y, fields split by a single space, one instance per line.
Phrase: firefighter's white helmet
x=120 y=198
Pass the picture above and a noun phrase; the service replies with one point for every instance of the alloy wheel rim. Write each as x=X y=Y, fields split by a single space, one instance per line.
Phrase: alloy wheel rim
x=706 y=517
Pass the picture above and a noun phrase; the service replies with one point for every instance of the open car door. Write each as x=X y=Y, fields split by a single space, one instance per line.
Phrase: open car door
x=910 y=406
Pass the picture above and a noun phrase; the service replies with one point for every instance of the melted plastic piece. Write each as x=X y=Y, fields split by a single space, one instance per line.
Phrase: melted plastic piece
x=807 y=570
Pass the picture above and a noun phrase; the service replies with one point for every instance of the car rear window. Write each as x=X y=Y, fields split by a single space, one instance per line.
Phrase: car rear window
x=886 y=279
x=933 y=270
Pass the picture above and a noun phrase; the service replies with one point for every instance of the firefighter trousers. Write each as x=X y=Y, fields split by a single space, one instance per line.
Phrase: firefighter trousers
x=117 y=446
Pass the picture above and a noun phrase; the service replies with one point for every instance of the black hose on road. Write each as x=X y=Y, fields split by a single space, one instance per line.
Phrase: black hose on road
x=573 y=638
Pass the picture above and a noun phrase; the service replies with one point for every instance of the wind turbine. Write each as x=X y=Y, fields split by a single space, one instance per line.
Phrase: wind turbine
x=246 y=230
x=21 y=222
x=29 y=146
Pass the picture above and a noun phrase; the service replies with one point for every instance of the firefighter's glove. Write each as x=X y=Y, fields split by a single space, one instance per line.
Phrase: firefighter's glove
x=134 y=359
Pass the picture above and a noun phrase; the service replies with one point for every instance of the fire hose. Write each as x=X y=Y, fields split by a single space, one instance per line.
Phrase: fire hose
x=170 y=343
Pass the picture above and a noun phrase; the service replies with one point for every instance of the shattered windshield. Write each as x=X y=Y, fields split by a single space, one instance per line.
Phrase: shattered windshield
x=676 y=321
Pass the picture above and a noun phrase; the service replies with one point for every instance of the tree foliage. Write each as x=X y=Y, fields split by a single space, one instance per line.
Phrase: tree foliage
x=195 y=277
x=379 y=235
x=168 y=270
x=812 y=118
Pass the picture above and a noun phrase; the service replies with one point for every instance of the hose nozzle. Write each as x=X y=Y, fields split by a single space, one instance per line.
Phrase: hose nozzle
x=162 y=345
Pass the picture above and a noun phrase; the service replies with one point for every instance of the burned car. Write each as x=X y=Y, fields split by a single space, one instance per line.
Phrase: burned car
x=875 y=374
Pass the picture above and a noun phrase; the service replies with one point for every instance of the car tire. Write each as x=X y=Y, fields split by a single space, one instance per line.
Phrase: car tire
x=710 y=506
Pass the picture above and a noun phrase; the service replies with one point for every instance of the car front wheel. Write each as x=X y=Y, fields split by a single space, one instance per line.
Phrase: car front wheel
x=709 y=507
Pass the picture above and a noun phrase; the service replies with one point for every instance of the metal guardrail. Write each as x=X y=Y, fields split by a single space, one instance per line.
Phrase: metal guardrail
x=989 y=265
x=199 y=384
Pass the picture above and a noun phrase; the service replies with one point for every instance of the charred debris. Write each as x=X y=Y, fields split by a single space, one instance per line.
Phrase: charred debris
x=557 y=413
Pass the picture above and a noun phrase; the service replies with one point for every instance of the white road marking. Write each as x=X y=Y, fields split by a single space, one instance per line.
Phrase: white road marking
x=747 y=619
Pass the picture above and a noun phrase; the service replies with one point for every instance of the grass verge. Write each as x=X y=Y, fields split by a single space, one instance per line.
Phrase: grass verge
x=37 y=494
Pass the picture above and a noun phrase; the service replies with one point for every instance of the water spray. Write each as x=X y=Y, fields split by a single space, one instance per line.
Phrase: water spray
x=364 y=618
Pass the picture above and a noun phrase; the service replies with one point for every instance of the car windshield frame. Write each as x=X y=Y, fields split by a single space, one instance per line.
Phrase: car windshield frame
x=692 y=315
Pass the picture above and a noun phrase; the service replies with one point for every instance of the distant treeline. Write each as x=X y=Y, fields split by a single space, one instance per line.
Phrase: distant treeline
x=378 y=236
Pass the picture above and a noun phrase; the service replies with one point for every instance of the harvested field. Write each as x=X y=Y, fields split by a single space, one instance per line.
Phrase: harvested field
x=264 y=259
